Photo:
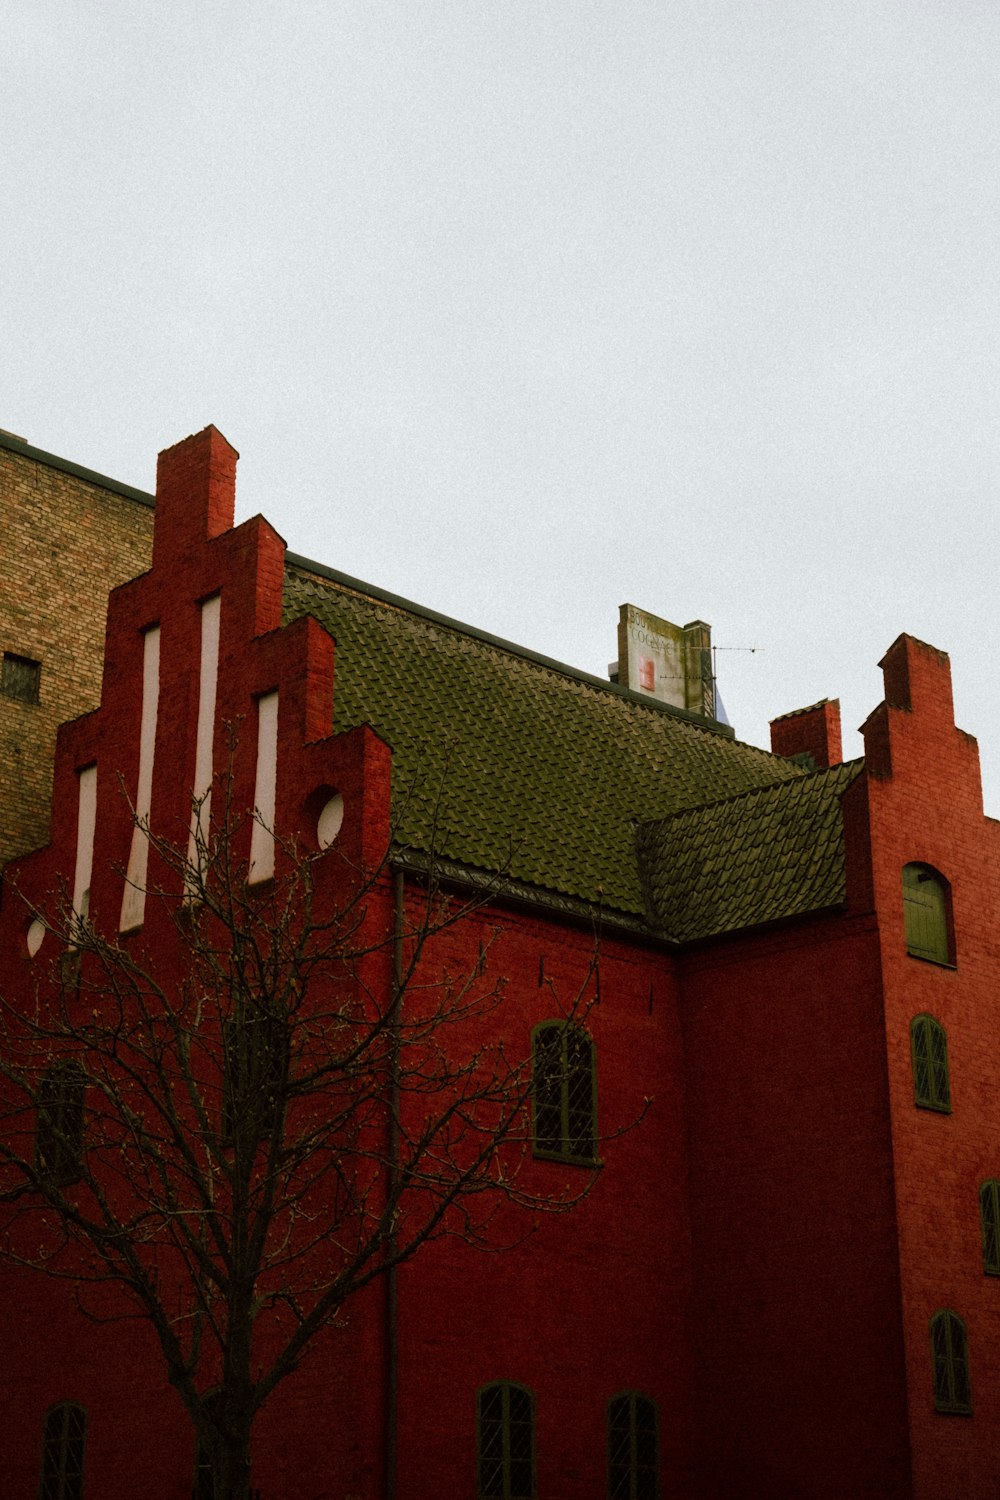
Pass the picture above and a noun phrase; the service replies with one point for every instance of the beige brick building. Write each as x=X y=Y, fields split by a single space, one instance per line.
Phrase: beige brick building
x=67 y=537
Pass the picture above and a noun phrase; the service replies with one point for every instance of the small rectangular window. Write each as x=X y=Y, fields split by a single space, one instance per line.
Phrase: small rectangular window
x=256 y=1067
x=20 y=677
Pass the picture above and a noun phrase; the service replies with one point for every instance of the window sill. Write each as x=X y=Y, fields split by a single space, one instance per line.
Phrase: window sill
x=938 y=963
x=566 y=1159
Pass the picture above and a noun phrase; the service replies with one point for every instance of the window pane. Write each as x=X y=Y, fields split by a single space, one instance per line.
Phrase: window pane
x=940 y=1092
x=632 y=1457
x=931 y=1086
x=950 y=1363
x=925 y=914
x=564 y=1091
x=59 y=1137
x=62 y=1453
x=989 y=1216
x=506 y=1443
x=20 y=678
x=921 y=1062
x=959 y=1362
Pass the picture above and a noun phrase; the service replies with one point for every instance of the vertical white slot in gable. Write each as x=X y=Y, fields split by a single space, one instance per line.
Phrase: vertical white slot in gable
x=86 y=822
x=134 y=898
x=208 y=679
x=262 y=838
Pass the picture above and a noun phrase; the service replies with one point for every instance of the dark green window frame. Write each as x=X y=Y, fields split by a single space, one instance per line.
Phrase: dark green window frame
x=505 y=1442
x=63 y=1440
x=926 y=914
x=564 y=1084
x=989 y=1223
x=633 y=1457
x=950 y=1364
x=59 y=1133
x=929 y=1052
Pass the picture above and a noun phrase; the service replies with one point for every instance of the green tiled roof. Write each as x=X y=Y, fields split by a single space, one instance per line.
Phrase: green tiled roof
x=776 y=851
x=504 y=762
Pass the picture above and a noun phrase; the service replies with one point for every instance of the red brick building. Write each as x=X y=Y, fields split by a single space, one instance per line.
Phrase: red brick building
x=785 y=1281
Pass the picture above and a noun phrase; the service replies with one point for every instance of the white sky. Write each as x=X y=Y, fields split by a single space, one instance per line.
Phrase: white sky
x=526 y=308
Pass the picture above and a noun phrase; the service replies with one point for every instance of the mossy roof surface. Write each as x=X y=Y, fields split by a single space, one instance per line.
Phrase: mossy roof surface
x=503 y=763
x=772 y=852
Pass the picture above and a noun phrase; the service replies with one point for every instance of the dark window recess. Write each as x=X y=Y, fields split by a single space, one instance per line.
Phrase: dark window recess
x=950 y=1356
x=929 y=1048
x=564 y=1092
x=62 y=1453
x=989 y=1222
x=20 y=677
x=59 y=1137
x=925 y=914
x=256 y=1065
x=506 y=1432
x=632 y=1452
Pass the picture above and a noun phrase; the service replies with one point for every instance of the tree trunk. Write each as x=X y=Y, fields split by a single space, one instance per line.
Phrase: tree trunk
x=231 y=1466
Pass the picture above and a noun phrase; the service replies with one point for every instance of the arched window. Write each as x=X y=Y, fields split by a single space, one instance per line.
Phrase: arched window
x=505 y=1416
x=950 y=1358
x=929 y=1048
x=565 y=1092
x=59 y=1136
x=632 y=1450
x=989 y=1223
x=925 y=914
x=62 y=1452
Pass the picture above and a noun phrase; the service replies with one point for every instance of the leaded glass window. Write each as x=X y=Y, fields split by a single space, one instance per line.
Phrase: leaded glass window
x=929 y=1048
x=59 y=1137
x=506 y=1433
x=62 y=1452
x=989 y=1222
x=632 y=1448
x=950 y=1356
x=564 y=1092
x=925 y=914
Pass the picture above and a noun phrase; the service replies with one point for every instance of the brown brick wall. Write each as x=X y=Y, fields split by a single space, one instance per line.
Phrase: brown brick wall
x=66 y=539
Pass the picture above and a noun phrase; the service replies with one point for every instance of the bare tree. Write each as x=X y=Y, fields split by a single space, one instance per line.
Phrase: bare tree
x=238 y=1129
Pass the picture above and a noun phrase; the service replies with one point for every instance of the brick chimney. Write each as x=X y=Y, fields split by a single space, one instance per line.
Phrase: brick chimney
x=810 y=735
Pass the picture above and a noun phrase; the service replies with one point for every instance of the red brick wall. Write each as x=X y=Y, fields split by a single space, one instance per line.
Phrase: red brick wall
x=795 y=1328
x=594 y=1302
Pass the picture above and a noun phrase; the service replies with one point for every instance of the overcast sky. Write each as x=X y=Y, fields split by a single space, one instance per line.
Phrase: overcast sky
x=527 y=308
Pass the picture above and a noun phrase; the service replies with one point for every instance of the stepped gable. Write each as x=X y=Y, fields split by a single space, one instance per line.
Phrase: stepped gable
x=772 y=852
x=503 y=761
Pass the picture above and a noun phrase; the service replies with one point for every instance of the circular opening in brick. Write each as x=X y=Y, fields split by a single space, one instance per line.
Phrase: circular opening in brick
x=34 y=936
x=329 y=821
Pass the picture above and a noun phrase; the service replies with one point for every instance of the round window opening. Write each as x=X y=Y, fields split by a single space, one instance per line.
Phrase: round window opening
x=330 y=820
x=34 y=936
